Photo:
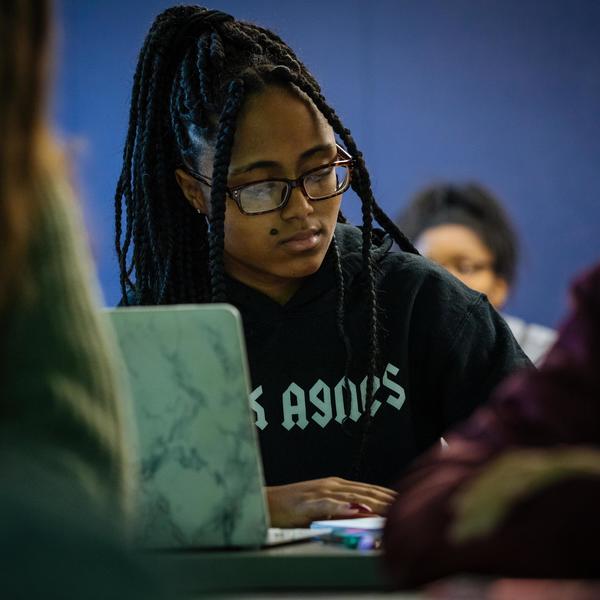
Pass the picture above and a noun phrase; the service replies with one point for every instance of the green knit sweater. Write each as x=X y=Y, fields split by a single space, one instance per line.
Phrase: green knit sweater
x=62 y=405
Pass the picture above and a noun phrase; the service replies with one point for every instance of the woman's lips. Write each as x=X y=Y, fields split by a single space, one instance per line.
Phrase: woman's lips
x=303 y=240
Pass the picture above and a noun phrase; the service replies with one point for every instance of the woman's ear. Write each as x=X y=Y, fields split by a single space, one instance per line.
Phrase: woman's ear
x=192 y=190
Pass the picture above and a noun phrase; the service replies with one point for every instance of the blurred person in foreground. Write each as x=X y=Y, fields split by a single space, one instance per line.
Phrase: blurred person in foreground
x=516 y=493
x=464 y=228
x=64 y=485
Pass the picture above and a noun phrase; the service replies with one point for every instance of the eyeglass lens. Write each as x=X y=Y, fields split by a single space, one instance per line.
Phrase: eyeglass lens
x=269 y=195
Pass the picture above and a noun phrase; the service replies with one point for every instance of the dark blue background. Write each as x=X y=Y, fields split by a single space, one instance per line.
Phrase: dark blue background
x=503 y=91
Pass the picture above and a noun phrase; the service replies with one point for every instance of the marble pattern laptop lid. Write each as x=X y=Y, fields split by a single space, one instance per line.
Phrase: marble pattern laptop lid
x=197 y=447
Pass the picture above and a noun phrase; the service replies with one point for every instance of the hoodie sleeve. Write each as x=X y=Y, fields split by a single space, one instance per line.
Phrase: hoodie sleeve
x=462 y=349
x=484 y=503
x=482 y=352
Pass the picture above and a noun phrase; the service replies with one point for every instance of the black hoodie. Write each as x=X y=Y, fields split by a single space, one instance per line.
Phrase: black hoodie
x=443 y=349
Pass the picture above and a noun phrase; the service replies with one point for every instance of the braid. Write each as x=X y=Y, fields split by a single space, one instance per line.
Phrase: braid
x=121 y=249
x=130 y=181
x=371 y=306
x=202 y=68
x=124 y=185
x=390 y=227
x=340 y=307
x=219 y=184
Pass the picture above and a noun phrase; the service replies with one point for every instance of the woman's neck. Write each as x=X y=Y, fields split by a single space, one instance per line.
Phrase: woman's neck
x=278 y=289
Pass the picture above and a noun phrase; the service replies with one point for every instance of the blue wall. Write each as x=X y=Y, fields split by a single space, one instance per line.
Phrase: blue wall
x=503 y=91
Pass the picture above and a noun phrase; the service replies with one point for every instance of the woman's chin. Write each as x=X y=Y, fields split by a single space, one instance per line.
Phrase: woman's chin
x=306 y=267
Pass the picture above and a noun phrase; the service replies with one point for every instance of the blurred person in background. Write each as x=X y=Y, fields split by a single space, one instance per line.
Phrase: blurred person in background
x=465 y=229
x=64 y=488
x=517 y=490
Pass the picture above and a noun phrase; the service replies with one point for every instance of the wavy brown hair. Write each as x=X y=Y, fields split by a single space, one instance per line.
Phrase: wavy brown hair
x=28 y=153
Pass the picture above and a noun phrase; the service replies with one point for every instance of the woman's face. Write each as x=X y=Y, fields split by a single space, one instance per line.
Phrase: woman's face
x=462 y=252
x=278 y=135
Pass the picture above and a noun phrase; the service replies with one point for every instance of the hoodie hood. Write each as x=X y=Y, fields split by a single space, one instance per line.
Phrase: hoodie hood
x=349 y=240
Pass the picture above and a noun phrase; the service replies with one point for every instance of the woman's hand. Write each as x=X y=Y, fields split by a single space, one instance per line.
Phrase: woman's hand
x=297 y=504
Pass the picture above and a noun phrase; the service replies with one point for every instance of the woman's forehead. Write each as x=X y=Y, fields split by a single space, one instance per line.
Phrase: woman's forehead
x=279 y=115
x=278 y=125
x=453 y=239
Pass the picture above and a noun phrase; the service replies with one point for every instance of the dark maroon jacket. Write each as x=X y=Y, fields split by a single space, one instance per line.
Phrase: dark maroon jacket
x=554 y=533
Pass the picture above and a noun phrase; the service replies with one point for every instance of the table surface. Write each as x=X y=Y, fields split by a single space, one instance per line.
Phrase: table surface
x=300 y=567
x=321 y=571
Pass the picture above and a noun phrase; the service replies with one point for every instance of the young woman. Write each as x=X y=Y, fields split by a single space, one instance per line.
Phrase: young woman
x=233 y=173
x=466 y=230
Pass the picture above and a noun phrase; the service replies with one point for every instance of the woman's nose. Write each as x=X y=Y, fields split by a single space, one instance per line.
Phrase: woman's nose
x=298 y=205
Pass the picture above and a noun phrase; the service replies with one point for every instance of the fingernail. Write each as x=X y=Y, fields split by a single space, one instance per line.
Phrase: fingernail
x=359 y=506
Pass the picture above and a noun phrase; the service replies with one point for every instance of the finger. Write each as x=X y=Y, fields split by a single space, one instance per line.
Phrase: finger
x=361 y=507
x=362 y=484
x=378 y=492
x=385 y=496
x=326 y=508
x=376 y=505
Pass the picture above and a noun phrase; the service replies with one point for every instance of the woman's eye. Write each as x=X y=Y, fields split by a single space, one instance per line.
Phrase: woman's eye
x=468 y=268
x=321 y=174
x=464 y=270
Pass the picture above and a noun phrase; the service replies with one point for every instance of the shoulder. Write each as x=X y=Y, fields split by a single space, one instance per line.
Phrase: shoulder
x=533 y=338
x=404 y=272
x=438 y=308
x=406 y=281
x=393 y=267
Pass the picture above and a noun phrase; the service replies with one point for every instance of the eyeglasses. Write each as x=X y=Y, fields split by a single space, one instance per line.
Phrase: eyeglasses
x=267 y=195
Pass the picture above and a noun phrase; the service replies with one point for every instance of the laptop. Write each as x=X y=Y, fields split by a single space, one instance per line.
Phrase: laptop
x=201 y=479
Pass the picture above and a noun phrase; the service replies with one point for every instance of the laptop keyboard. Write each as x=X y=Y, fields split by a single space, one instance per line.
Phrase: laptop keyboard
x=278 y=535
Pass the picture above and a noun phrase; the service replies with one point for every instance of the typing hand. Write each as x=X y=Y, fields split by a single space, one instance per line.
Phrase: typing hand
x=298 y=504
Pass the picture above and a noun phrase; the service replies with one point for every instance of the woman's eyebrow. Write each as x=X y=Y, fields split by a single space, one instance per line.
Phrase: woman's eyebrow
x=266 y=164
x=321 y=148
x=259 y=164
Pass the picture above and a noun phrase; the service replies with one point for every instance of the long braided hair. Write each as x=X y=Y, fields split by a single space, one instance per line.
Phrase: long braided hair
x=194 y=71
